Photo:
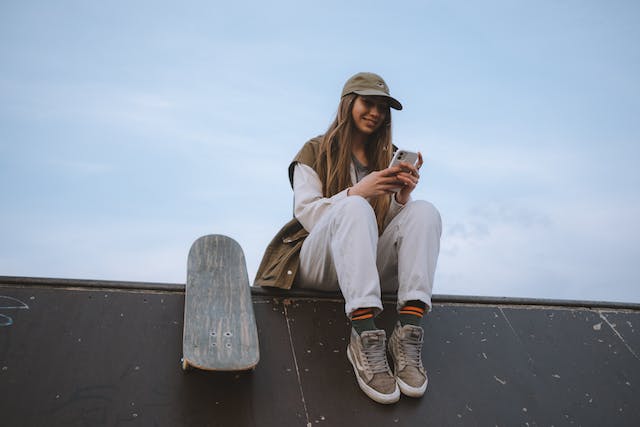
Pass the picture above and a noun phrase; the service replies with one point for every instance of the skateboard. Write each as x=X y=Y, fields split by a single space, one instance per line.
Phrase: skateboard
x=220 y=332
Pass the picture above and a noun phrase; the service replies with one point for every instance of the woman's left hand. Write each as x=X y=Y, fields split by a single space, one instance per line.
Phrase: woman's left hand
x=409 y=178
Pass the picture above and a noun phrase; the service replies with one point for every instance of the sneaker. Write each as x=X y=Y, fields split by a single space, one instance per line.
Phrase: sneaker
x=405 y=346
x=367 y=353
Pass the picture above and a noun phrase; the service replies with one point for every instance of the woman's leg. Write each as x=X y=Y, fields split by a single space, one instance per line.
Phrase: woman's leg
x=340 y=253
x=408 y=252
x=407 y=256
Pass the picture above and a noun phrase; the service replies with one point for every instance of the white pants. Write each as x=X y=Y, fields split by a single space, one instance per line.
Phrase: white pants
x=343 y=251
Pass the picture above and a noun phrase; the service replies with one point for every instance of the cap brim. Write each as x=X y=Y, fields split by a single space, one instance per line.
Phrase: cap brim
x=393 y=103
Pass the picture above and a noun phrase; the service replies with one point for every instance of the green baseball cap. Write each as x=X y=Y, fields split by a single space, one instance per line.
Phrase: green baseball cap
x=370 y=84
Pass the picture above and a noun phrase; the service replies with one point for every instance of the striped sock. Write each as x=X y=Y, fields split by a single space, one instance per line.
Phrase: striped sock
x=362 y=320
x=411 y=313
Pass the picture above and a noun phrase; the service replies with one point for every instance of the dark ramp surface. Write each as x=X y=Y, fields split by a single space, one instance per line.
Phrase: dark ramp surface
x=75 y=353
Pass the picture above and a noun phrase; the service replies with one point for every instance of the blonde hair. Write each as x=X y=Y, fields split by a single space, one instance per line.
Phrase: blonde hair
x=336 y=156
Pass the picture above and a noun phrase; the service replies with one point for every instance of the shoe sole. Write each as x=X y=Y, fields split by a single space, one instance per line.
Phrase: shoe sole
x=410 y=391
x=369 y=391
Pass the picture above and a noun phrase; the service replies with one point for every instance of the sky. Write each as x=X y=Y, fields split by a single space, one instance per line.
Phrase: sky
x=129 y=129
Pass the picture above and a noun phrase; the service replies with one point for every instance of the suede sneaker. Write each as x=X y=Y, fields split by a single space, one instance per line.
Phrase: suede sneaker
x=405 y=346
x=367 y=353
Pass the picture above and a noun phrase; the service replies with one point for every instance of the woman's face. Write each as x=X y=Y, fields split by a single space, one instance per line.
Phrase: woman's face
x=368 y=113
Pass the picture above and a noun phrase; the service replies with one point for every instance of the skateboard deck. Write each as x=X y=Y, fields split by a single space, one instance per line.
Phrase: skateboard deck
x=220 y=332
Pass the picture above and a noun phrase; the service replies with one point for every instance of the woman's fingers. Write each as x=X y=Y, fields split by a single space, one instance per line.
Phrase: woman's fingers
x=397 y=177
x=409 y=176
x=409 y=168
x=408 y=180
x=404 y=177
x=392 y=171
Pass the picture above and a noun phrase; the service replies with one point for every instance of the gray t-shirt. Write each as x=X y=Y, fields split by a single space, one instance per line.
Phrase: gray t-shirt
x=361 y=171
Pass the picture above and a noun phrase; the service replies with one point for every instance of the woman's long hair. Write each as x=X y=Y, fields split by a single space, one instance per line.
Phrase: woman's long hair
x=335 y=155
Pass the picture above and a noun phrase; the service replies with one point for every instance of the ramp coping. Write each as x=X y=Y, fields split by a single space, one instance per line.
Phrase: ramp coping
x=23 y=281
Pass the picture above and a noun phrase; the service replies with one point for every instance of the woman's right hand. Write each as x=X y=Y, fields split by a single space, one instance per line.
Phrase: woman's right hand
x=377 y=183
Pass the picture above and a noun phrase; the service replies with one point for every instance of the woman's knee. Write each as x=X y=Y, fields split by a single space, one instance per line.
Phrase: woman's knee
x=354 y=211
x=425 y=212
x=356 y=206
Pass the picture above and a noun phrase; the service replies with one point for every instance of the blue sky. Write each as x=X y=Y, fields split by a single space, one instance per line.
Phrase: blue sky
x=128 y=129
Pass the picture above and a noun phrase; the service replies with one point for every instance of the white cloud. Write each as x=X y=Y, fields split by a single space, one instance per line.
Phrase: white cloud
x=562 y=250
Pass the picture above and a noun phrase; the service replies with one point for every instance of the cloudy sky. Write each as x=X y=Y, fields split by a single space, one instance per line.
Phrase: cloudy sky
x=129 y=129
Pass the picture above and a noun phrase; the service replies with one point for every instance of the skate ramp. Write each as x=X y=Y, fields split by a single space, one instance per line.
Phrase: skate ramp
x=98 y=353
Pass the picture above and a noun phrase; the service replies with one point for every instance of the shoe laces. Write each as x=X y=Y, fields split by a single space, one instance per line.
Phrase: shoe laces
x=374 y=351
x=411 y=350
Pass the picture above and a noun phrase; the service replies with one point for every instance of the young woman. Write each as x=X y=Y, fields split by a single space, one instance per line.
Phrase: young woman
x=356 y=229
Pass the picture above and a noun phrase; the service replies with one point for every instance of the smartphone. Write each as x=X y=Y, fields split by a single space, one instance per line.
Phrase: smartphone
x=403 y=156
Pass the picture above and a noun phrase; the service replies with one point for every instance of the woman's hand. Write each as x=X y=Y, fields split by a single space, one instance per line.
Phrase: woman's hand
x=409 y=178
x=377 y=183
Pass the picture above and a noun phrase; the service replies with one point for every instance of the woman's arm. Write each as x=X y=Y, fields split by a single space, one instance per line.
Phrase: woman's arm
x=308 y=203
